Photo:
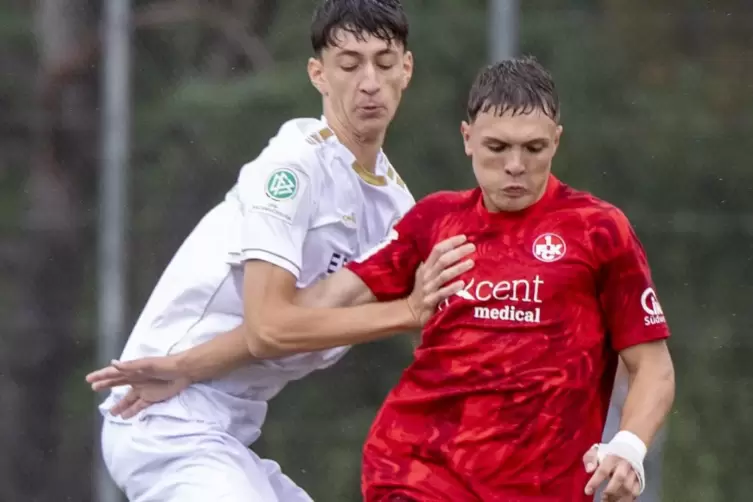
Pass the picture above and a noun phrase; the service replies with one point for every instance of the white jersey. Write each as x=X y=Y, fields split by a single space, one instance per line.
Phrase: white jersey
x=303 y=204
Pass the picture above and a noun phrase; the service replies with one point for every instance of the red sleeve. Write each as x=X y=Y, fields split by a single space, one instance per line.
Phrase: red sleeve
x=389 y=268
x=627 y=292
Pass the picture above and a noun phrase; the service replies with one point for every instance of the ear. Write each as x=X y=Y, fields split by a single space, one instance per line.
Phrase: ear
x=315 y=69
x=557 y=134
x=465 y=132
x=407 y=68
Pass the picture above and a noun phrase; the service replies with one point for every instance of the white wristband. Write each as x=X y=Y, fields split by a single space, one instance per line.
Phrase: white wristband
x=629 y=447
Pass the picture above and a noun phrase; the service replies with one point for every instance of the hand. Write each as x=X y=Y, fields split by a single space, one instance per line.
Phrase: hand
x=623 y=483
x=442 y=266
x=152 y=380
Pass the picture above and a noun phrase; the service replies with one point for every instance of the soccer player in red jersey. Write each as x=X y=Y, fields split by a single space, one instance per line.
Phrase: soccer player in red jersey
x=511 y=381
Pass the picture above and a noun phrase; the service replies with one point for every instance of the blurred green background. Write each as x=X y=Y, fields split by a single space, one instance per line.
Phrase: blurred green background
x=657 y=110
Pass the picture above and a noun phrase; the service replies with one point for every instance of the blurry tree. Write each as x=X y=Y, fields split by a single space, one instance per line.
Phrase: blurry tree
x=41 y=353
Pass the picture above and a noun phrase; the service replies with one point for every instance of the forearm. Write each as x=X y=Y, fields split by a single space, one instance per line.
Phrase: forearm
x=649 y=399
x=216 y=358
x=301 y=329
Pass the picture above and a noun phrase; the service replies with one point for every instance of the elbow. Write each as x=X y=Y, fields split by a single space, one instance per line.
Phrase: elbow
x=264 y=340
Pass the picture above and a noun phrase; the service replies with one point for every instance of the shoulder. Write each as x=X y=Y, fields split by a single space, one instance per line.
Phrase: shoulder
x=431 y=211
x=293 y=152
x=398 y=189
x=446 y=201
x=593 y=210
x=298 y=139
x=606 y=226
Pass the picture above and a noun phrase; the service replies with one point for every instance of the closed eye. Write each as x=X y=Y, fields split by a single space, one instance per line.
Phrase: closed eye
x=535 y=148
x=498 y=147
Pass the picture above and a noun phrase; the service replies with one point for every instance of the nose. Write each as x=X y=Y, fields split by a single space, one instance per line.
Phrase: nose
x=514 y=165
x=370 y=81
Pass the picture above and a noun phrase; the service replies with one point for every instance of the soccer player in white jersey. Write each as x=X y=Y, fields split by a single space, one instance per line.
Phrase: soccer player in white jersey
x=321 y=193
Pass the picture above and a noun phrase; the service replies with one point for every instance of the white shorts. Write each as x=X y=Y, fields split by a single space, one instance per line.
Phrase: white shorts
x=165 y=459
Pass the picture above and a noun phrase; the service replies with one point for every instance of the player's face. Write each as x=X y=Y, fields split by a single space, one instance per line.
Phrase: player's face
x=511 y=156
x=362 y=82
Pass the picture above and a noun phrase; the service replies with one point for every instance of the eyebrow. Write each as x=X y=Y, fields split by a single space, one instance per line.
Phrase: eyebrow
x=494 y=139
x=356 y=54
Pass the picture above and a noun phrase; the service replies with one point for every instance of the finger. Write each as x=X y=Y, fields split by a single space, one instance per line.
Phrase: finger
x=112 y=382
x=444 y=246
x=103 y=374
x=616 y=482
x=134 y=367
x=632 y=485
x=600 y=475
x=591 y=459
x=449 y=258
x=128 y=400
x=135 y=408
x=420 y=270
x=432 y=299
x=434 y=284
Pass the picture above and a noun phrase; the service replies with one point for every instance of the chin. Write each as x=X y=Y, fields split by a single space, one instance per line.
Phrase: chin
x=513 y=205
x=372 y=129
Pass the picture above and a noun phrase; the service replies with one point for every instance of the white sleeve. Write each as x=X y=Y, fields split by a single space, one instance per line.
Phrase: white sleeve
x=278 y=207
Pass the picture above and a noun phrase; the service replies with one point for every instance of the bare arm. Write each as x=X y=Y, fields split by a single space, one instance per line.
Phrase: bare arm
x=651 y=389
x=277 y=325
x=155 y=379
x=341 y=289
x=280 y=321
x=286 y=321
x=230 y=350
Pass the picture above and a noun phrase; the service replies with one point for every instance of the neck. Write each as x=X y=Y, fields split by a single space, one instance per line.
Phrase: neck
x=364 y=149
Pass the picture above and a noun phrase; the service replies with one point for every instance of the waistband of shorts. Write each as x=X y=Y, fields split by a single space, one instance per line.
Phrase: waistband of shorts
x=241 y=418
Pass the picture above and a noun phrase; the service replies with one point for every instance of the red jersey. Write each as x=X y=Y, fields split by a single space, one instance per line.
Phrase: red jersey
x=511 y=382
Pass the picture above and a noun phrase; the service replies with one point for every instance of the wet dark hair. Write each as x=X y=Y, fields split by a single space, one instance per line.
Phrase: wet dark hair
x=383 y=19
x=519 y=86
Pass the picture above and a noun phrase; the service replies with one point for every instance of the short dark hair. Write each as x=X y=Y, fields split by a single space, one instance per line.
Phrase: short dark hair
x=383 y=19
x=520 y=86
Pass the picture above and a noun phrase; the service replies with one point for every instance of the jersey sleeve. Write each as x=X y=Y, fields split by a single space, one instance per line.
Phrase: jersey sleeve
x=389 y=268
x=627 y=292
x=279 y=202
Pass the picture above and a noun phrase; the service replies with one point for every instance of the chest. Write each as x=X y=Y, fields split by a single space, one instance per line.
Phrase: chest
x=351 y=217
x=527 y=275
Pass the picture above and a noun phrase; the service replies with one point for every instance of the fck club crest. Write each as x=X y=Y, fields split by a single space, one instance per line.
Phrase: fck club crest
x=549 y=247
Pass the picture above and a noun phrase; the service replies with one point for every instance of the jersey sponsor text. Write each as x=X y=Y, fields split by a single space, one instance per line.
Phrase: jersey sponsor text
x=521 y=295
